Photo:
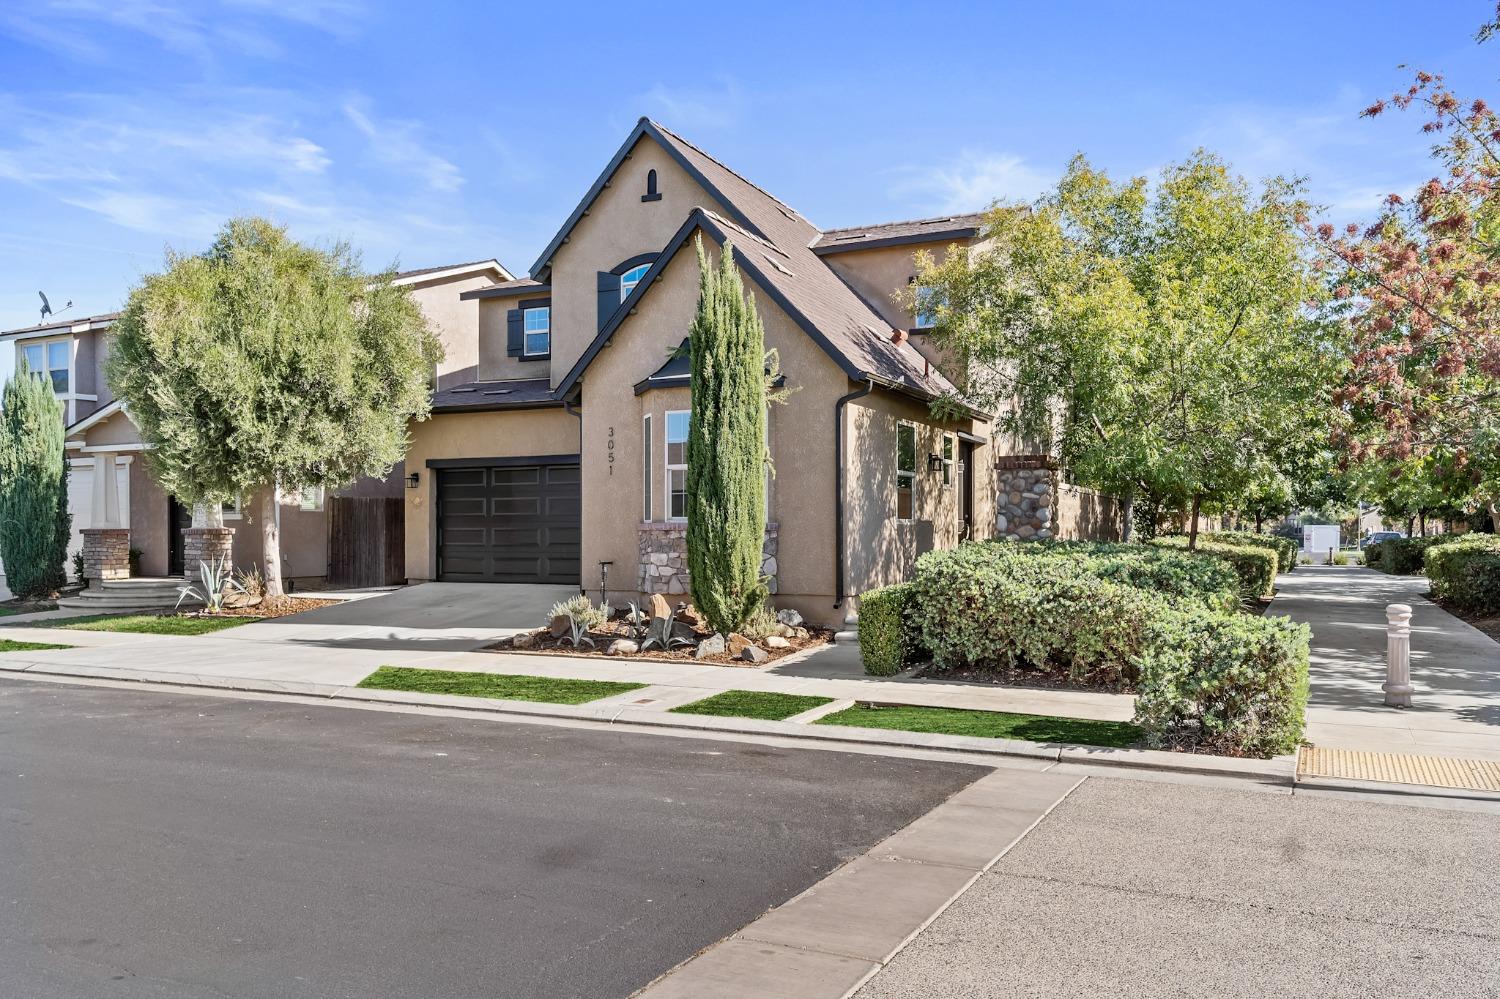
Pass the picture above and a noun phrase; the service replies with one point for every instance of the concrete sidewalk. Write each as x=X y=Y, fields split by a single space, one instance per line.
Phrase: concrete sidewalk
x=1455 y=668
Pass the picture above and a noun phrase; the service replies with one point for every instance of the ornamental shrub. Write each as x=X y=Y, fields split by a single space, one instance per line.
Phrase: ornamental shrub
x=35 y=525
x=1164 y=571
x=1465 y=572
x=1223 y=683
x=887 y=639
x=1286 y=548
x=1255 y=567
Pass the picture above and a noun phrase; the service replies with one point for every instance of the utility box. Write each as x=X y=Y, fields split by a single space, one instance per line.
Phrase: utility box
x=1319 y=539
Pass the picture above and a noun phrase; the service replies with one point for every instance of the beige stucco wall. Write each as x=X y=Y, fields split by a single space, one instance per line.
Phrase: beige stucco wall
x=619 y=226
x=304 y=539
x=1084 y=514
x=494 y=364
x=456 y=322
x=495 y=434
x=881 y=548
x=801 y=441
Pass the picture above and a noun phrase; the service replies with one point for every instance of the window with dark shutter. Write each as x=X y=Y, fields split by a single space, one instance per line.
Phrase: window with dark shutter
x=515 y=335
x=609 y=296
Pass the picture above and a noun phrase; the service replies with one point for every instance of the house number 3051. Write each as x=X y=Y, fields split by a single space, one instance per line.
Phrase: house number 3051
x=609 y=450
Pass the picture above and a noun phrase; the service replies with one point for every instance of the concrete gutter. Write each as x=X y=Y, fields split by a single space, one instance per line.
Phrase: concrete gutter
x=1278 y=770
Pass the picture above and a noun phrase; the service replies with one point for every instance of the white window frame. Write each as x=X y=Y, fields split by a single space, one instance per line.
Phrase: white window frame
x=911 y=475
x=646 y=462
x=627 y=285
x=308 y=499
x=527 y=332
x=234 y=509
x=949 y=458
x=923 y=293
x=44 y=344
x=669 y=468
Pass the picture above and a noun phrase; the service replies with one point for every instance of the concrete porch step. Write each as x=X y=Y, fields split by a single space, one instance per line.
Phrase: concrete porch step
x=137 y=593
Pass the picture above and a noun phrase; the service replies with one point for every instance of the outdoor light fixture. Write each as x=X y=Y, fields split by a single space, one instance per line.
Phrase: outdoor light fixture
x=934 y=462
x=412 y=480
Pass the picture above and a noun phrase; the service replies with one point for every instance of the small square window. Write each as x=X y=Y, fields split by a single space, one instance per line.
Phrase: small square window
x=926 y=308
x=537 y=324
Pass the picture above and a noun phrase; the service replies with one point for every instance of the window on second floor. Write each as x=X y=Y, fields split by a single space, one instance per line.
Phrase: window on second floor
x=53 y=359
x=631 y=278
x=926 y=308
x=537 y=326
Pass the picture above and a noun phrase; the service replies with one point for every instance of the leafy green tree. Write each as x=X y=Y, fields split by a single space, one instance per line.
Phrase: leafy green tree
x=266 y=365
x=1159 y=337
x=726 y=447
x=34 y=521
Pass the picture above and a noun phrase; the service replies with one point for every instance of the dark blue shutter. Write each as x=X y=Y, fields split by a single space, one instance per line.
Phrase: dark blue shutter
x=515 y=339
x=609 y=296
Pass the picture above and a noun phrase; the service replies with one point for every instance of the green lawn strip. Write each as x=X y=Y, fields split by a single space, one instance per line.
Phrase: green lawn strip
x=504 y=686
x=145 y=624
x=8 y=611
x=6 y=645
x=753 y=704
x=988 y=724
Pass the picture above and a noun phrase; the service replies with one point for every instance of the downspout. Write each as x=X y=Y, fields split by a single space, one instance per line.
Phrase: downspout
x=839 y=475
x=571 y=411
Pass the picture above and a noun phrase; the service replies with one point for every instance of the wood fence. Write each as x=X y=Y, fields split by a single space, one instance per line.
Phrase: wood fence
x=366 y=541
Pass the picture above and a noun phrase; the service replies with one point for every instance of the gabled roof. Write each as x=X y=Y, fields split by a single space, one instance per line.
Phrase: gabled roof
x=57 y=325
x=95 y=418
x=868 y=237
x=450 y=270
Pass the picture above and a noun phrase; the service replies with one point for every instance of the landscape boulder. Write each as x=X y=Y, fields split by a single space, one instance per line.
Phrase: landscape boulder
x=560 y=626
x=622 y=647
x=754 y=654
x=776 y=642
x=789 y=617
x=713 y=645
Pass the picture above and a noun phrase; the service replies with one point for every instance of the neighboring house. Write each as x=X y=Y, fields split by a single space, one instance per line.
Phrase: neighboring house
x=104 y=445
x=565 y=455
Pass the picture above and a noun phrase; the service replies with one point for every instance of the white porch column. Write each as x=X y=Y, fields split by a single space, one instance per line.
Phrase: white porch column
x=208 y=515
x=106 y=492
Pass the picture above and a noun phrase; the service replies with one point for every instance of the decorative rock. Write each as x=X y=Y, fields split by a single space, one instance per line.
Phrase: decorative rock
x=736 y=643
x=789 y=617
x=622 y=647
x=688 y=614
x=785 y=630
x=713 y=645
x=776 y=642
x=681 y=629
x=657 y=607
x=754 y=654
x=801 y=633
x=560 y=626
x=525 y=640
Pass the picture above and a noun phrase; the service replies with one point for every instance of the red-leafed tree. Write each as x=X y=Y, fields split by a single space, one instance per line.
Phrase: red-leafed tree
x=1421 y=292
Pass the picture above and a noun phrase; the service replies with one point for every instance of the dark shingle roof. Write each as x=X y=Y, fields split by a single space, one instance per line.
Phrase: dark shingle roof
x=62 y=324
x=504 y=289
x=852 y=329
x=446 y=267
x=528 y=393
x=866 y=237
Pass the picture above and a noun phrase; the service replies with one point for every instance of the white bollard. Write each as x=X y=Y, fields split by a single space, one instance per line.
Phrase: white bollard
x=1397 y=684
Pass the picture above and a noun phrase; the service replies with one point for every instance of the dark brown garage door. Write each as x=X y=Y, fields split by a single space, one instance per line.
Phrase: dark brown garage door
x=509 y=523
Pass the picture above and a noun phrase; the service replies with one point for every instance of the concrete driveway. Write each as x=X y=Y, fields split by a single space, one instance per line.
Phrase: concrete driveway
x=436 y=617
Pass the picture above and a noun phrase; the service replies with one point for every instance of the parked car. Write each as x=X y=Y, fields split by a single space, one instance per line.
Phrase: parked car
x=1376 y=536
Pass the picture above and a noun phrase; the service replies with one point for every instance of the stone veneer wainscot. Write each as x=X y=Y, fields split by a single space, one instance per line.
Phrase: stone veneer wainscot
x=664 y=568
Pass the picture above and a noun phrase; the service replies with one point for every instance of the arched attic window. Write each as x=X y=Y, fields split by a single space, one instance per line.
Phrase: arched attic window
x=651 y=192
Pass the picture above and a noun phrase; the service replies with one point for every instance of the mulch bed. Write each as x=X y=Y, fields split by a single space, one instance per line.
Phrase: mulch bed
x=27 y=606
x=545 y=644
x=282 y=608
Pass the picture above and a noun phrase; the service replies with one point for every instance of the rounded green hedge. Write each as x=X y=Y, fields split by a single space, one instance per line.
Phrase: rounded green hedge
x=886 y=638
x=1286 y=549
x=1465 y=572
x=1254 y=565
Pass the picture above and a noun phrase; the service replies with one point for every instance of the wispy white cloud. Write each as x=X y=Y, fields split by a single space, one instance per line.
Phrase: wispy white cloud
x=694 y=109
x=970 y=182
x=399 y=144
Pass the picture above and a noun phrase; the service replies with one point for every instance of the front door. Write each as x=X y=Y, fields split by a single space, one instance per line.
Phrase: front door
x=180 y=518
x=965 y=490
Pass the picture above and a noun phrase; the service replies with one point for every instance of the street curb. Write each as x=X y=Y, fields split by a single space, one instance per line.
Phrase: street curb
x=1280 y=769
x=1393 y=789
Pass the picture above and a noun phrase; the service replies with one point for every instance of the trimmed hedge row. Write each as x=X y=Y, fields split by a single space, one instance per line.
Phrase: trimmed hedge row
x=1287 y=549
x=1465 y=572
x=1206 y=677
x=886 y=640
x=1201 y=578
x=1406 y=556
x=1255 y=566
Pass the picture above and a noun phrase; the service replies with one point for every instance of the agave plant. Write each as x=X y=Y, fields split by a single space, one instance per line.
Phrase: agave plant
x=582 y=615
x=660 y=633
x=638 y=621
x=217 y=578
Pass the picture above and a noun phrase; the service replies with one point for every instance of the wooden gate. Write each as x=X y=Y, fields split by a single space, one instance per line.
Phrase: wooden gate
x=366 y=541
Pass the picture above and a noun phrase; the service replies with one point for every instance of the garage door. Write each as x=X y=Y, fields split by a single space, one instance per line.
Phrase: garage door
x=509 y=523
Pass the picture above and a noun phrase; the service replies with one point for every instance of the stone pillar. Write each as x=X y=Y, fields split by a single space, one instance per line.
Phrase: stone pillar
x=205 y=544
x=1397 y=684
x=663 y=557
x=106 y=553
x=1026 y=500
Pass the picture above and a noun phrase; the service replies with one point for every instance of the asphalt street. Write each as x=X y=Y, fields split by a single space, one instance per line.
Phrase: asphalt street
x=1143 y=890
x=163 y=845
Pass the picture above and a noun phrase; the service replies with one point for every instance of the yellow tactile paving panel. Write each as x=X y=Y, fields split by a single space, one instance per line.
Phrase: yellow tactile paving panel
x=1399 y=768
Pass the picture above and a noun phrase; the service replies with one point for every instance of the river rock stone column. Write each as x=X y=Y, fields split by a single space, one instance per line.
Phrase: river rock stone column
x=205 y=544
x=663 y=557
x=1025 y=501
x=1397 y=684
x=106 y=553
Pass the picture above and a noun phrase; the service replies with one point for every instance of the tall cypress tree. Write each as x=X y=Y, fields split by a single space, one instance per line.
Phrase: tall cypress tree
x=34 y=519
x=726 y=447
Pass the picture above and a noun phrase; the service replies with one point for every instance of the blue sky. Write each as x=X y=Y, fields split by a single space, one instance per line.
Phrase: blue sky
x=437 y=133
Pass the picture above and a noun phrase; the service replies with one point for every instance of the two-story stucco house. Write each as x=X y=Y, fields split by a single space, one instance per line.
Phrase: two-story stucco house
x=565 y=456
x=110 y=487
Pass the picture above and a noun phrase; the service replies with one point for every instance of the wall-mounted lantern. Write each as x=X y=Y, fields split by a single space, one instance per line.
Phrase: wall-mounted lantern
x=412 y=480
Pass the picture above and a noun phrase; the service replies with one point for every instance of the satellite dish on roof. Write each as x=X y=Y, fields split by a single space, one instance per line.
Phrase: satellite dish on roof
x=47 y=306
